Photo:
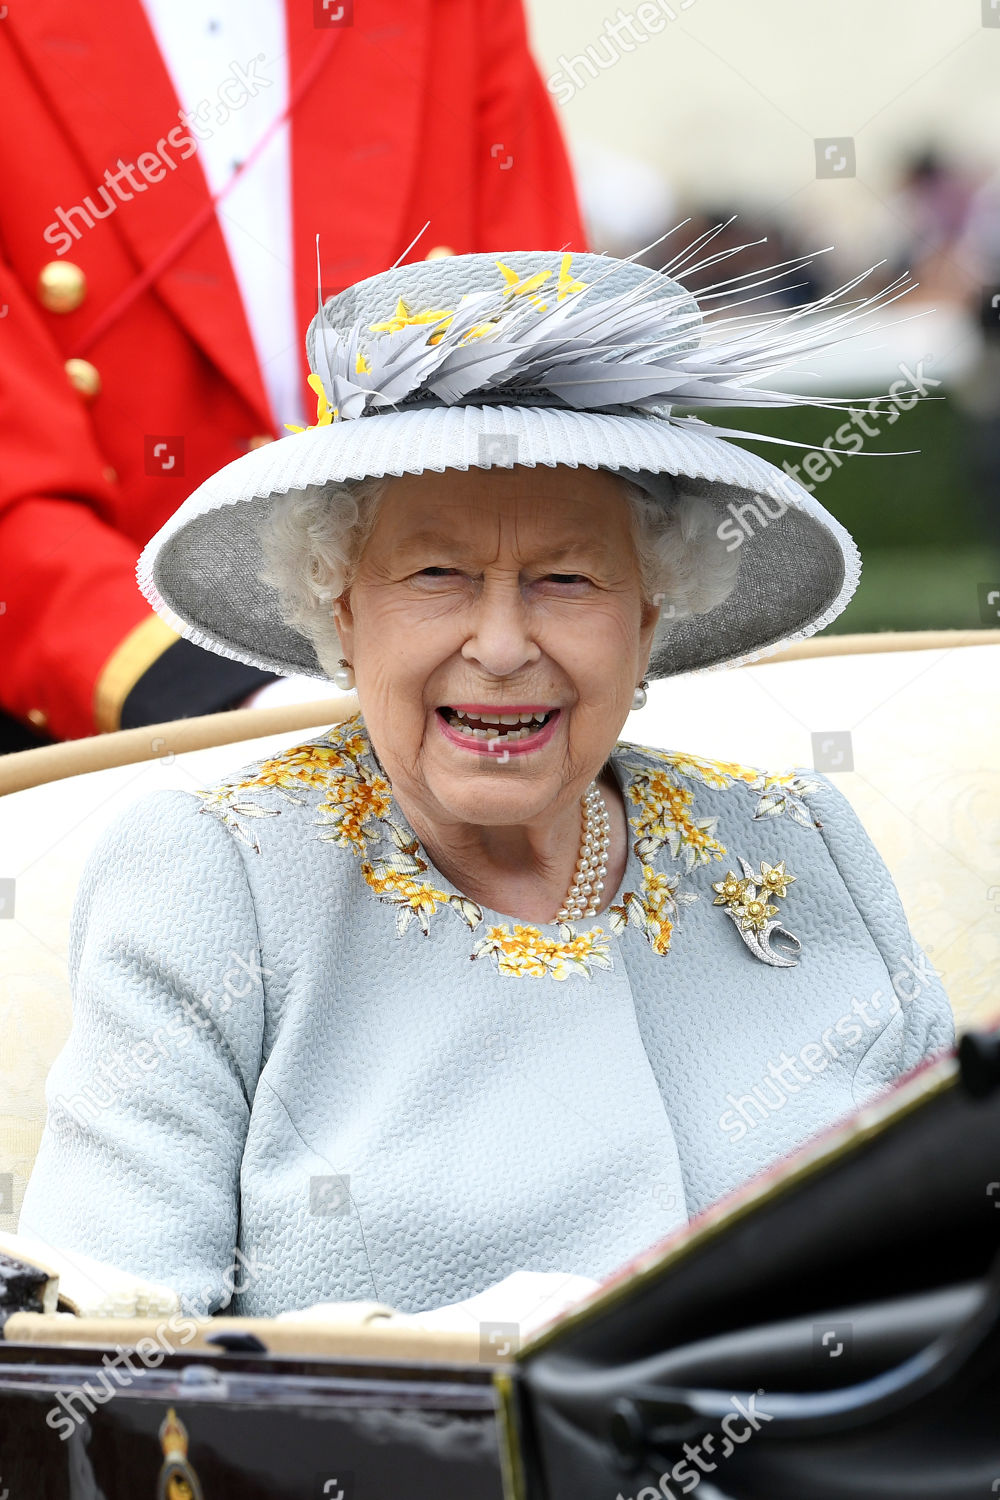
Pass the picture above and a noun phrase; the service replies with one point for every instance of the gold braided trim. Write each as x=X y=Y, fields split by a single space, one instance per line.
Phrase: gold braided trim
x=123 y=668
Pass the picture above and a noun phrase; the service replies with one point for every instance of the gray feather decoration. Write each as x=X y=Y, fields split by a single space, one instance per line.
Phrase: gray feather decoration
x=631 y=350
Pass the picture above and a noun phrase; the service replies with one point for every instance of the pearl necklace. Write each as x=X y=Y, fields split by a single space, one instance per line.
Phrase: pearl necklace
x=584 y=895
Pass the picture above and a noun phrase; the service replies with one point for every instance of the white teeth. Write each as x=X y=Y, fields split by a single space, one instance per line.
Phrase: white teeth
x=500 y=728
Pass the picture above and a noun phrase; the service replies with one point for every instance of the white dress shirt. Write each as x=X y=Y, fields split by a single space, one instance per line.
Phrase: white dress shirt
x=228 y=61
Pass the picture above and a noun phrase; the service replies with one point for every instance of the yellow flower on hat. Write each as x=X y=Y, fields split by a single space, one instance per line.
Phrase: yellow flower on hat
x=568 y=283
x=325 y=413
x=403 y=318
x=564 y=286
x=518 y=288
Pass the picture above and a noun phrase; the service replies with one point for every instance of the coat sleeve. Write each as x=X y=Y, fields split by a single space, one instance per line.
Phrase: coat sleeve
x=149 y=1101
x=919 y=1020
x=82 y=650
x=526 y=195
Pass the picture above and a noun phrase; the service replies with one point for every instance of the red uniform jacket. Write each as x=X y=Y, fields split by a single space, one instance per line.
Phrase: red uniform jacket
x=432 y=110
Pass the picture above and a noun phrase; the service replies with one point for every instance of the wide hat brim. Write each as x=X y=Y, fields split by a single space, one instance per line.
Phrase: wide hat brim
x=798 y=565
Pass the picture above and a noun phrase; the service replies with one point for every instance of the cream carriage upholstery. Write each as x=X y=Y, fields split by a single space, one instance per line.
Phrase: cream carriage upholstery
x=923 y=718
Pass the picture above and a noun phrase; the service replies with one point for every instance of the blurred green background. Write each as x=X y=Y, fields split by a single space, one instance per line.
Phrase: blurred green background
x=917 y=519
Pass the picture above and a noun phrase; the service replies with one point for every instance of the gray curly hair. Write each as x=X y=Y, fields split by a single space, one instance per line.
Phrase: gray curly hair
x=312 y=539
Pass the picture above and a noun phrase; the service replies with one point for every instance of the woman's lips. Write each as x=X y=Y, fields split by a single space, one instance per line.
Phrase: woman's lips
x=501 y=748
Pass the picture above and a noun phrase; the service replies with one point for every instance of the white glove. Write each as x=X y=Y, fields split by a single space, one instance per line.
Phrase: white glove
x=91 y=1288
x=530 y=1299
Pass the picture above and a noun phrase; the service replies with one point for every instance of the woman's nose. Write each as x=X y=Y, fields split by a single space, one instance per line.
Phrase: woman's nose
x=500 y=637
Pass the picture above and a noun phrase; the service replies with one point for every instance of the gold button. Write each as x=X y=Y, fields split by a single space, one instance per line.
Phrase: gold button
x=110 y=474
x=260 y=441
x=38 y=717
x=83 y=377
x=61 y=286
x=439 y=252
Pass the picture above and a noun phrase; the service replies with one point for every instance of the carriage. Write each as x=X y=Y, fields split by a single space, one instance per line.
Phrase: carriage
x=830 y=1331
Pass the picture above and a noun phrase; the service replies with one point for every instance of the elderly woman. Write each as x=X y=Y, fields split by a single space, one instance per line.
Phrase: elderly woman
x=464 y=985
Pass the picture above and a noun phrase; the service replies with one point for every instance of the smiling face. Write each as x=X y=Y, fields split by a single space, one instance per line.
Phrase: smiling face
x=486 y=596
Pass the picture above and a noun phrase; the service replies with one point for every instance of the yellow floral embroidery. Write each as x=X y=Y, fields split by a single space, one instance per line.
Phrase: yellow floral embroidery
x=780 y=791
x=355 y=811
x=415 y=898
x=354 y=804
x=652 y=909
x=665 y=818
x=525 y=950
x=303 y=766
x=717 y=773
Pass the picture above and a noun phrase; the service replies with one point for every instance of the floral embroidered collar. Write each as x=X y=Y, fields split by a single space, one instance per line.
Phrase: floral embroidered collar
x=357 y=812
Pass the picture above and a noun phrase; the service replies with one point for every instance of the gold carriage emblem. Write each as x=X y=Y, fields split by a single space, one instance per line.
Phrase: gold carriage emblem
x=177 y=1480
x=748 y=902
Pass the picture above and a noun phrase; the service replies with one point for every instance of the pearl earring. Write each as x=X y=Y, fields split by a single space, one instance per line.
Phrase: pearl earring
x=639 y=696
x=344 y=676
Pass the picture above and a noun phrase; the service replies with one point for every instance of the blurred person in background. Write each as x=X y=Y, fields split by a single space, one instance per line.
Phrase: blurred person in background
x=159 y=212
x=977 y=391
x=932 y=206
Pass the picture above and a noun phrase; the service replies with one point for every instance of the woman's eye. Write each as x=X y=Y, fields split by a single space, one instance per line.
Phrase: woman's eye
x=436 y=572
x=566 y=578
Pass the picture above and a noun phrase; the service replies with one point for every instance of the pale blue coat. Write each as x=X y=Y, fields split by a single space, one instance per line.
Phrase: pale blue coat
x=295 y=1040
